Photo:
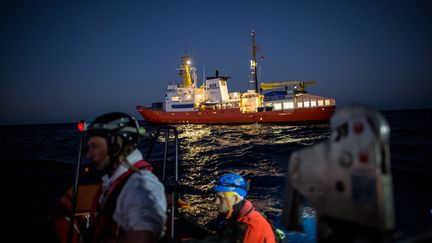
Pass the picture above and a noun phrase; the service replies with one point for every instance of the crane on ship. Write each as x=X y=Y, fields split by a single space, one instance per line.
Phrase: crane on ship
x=299 y=87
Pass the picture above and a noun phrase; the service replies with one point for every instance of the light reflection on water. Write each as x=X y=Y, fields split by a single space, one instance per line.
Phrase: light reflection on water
x=260 y=152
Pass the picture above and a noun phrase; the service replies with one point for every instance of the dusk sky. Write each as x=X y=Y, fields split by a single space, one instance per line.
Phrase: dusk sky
x=63 y=62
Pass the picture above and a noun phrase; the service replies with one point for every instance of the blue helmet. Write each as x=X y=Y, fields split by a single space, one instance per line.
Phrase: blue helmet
x=232 y=182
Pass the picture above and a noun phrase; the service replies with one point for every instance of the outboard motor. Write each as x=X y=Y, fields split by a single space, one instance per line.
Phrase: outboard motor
x=347 y=180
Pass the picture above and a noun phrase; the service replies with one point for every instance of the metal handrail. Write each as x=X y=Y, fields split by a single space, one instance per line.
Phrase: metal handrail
x=174 y=193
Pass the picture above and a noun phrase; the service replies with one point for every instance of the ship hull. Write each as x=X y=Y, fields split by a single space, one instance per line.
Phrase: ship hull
x=235 y=116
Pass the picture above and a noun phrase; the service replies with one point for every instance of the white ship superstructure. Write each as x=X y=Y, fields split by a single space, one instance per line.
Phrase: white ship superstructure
x=212 y=103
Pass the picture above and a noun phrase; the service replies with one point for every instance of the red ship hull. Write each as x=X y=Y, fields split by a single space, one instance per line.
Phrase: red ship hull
x=235 y=116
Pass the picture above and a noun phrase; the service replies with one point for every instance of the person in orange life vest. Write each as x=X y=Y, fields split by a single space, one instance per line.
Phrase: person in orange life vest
x=245 y=223
x=130 y=205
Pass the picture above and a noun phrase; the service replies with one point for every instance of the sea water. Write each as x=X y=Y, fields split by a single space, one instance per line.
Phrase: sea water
x=259 y=151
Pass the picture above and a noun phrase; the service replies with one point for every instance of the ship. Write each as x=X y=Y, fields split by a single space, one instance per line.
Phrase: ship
x=211 y=103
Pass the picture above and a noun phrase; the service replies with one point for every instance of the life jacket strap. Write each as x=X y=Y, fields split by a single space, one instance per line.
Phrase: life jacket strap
x=101 y=215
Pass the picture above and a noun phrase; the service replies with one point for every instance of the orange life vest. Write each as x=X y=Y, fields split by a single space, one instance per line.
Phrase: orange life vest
x=258 y=228
x=103 y=224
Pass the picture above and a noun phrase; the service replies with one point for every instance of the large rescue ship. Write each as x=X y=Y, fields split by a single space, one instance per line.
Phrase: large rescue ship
x=211 y=103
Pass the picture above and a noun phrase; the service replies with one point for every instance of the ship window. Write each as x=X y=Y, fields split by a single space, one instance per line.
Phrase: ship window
x=320 y=102
x=313 y=103
x=300 y=104
x=175 y=98
x=327 y=102
x=307 y=104
x=288 y=105
x=277 y=106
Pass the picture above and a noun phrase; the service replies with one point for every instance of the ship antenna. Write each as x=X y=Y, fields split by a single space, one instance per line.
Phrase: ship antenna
x=253 y=64
x=204 y=77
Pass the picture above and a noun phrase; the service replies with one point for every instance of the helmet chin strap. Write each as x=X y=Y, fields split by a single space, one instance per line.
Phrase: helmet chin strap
x=113 y=155
x=111 y=166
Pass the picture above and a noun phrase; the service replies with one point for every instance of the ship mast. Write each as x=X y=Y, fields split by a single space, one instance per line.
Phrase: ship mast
x=187 y=72
x=253 y=66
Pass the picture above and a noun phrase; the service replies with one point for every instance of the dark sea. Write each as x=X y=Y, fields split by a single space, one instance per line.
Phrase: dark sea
x=38 y=163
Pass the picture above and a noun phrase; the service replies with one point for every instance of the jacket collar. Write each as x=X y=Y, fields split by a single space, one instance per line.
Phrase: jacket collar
x=242 y=208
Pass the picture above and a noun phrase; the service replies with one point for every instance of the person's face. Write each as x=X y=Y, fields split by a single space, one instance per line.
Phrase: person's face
x=225 y=202
x=98 y=152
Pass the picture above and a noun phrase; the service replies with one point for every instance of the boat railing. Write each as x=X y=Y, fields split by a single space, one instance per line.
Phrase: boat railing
x=172 y=184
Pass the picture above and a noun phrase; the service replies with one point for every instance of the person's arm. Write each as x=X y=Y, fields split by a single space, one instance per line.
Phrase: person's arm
x=141 y=208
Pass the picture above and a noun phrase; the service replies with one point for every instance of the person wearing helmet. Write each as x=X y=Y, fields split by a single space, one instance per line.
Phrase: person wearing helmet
x=244 y=222
x=130 y=204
